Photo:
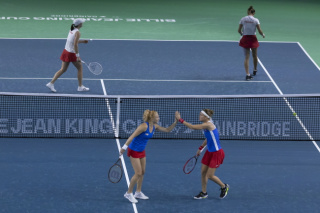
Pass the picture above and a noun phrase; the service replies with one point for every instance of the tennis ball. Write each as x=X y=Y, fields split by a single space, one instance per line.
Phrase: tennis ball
x=294 y=114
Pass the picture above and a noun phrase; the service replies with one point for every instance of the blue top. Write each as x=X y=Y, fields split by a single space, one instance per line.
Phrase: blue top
x=139 y=143
x=213 y=141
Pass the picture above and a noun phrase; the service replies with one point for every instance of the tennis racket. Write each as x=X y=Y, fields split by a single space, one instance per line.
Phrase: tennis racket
x=94 y=67
x=115 y=172
x=191 y=163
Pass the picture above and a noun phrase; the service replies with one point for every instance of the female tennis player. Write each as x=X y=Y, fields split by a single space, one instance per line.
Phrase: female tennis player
x=249 y=40
x=71 y=54
x=136 y=144
x=214 y=155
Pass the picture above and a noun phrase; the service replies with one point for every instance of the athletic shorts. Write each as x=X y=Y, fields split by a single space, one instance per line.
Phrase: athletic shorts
x=136 y=154
x=68 y=56
x=249 y=41
x=213 y=159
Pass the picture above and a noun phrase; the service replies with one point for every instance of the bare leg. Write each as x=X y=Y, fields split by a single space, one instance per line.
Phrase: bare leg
x=255 y=58
x=143 y=169
x=204 y=178
x=78 y=65
x=63 y=69
x=246 y=60
x=211 y=176
x=136 y=164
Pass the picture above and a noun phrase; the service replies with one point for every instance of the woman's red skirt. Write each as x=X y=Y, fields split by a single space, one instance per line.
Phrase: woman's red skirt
x=249 y=41
x=213 y=159
x=68 y=56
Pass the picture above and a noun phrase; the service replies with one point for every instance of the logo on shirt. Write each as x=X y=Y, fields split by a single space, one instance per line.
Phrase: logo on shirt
x=147 y=134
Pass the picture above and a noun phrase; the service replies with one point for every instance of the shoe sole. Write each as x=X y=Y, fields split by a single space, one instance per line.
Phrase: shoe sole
x=141 y=198
x=130 y=200
x=200 y=198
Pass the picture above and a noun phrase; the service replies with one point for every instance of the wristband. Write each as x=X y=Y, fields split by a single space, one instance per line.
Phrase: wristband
x=200 y=148
x=181 y=120
x=125 y=147
x=78 y=55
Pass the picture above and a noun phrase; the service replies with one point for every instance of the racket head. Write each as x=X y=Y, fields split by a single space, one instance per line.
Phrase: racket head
x=190 y=165
x=115 y=172
x=95 y=68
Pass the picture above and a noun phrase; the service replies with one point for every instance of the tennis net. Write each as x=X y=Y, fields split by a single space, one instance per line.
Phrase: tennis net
x=269 y=117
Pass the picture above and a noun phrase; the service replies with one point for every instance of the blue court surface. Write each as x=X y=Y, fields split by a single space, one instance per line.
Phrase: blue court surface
x=70 y=175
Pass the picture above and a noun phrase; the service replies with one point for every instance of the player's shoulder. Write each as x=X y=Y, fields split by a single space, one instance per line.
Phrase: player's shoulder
x=143 y=126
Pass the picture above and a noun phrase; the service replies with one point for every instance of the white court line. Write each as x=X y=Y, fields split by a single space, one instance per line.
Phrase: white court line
x=305 y=52
x=281 y=42
x=289 y=105
x=123 y=79
x=116 y=132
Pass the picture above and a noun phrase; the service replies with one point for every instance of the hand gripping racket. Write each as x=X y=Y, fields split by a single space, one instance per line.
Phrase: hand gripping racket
x=191 y=163
x=94 y=67
x=115 y=172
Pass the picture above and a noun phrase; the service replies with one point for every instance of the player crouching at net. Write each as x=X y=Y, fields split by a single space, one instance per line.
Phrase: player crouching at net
x=71 y=54
x=136 y=144
x=214 y=155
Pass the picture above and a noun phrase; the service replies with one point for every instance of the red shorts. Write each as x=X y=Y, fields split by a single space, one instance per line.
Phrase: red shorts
x=68 y=56
x=136 y=154
x=213 y=159
x=249 y=41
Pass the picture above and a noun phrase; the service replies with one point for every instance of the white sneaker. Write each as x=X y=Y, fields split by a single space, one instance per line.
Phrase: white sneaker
x=140 y=195
x=83 y=89
x=51 y=87
x=130 y=197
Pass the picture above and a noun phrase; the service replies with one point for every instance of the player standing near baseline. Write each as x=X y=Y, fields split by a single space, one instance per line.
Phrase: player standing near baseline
x=249 y=40
x=214 y=155
x=71 y=54
x=136 y=144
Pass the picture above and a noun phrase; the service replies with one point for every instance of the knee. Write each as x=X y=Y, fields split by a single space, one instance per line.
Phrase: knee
x=139 y=174
x=209 y=176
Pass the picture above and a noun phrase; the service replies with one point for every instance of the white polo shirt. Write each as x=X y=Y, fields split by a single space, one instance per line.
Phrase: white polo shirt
x=249 y=25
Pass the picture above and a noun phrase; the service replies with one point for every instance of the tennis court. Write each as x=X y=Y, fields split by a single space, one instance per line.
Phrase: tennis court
x=56 y=148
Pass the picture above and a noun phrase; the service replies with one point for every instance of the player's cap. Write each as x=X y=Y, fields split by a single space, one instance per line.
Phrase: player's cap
x=78 y=21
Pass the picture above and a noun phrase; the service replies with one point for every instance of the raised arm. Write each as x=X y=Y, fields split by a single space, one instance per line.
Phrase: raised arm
x=189 y=125
x=168 y=129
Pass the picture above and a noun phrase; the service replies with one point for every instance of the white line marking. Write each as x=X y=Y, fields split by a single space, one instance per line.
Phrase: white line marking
x=305 y=52
x=289 y=105
x=286 y=42
x=123 y=79
x=116 y=133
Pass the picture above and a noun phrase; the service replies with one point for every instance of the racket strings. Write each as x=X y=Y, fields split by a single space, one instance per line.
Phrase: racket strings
x=115 y=174
x=95 y=68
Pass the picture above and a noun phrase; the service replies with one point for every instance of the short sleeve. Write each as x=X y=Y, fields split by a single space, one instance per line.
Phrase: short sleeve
x=241 y=21
x=258 y=22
